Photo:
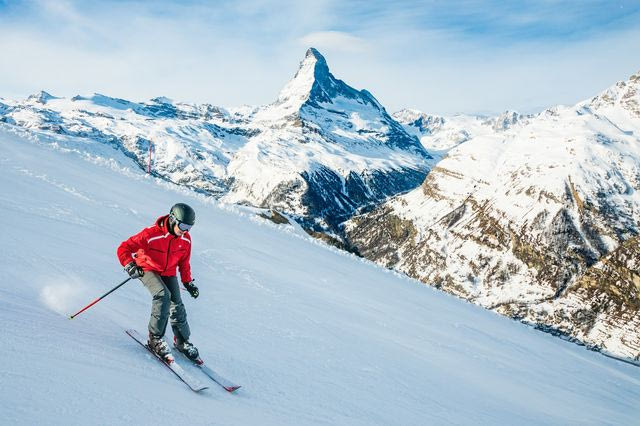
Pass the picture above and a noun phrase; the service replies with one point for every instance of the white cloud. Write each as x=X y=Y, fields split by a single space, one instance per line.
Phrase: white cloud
x=334 y=41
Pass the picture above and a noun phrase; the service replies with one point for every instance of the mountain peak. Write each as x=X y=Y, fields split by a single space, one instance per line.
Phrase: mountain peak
x=41 y=97
x=319 y=62
x=625 y=94
x=162 y=100
x=312 y=68
x=314 y=85
x=312 y=51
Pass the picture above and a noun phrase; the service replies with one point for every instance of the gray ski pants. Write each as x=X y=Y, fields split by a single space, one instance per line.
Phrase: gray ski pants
x=166 y=304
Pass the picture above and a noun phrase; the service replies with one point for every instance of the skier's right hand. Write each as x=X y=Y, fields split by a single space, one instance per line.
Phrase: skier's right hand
x=134 y=270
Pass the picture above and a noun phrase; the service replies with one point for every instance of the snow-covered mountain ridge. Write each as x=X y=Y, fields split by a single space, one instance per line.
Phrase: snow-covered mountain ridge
x=538 y=221
x=440 y=134
x=321 y=151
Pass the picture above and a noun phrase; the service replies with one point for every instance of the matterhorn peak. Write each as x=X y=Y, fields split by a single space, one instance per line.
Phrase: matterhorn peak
x=312 y=51
x=313 y=85
x=312 y=68
x=320 y=67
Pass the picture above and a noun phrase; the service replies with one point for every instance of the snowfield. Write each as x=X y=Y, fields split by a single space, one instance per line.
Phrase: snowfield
x=314 y=336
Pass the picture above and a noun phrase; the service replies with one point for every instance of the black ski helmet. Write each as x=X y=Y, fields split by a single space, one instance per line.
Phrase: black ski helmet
x=181 y=212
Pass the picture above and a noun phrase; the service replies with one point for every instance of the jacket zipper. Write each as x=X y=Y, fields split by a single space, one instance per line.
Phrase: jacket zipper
x=166 y=263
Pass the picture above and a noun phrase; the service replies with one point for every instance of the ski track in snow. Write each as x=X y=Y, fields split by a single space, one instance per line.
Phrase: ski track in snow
x=313 y=335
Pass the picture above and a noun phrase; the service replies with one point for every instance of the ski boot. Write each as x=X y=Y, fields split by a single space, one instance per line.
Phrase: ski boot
x=160 y=347
x=186 y=348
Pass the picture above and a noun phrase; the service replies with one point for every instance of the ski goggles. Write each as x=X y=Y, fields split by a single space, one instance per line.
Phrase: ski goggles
x=183 y=226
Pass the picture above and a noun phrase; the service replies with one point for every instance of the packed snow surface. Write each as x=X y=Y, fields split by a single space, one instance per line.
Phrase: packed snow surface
x=314 y=336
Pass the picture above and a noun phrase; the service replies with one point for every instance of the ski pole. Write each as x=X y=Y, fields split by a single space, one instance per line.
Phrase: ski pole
x=99 y=298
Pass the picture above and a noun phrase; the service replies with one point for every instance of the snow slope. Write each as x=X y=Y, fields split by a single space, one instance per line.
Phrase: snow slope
x=315 y=336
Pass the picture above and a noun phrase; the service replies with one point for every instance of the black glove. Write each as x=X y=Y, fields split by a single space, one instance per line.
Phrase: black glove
x=134 y=270
x=192 y=289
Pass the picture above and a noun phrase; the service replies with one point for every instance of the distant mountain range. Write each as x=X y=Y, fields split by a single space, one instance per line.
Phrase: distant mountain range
x=535 y=217
x=321 y=151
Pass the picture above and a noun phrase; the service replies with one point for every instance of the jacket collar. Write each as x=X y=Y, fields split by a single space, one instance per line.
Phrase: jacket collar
x=163 y=223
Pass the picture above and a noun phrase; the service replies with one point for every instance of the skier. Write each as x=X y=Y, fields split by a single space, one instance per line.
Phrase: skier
x=152 y=255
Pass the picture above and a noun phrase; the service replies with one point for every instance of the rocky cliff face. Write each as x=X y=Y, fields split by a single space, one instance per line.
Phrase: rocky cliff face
x=601 y=307
x=537 y=221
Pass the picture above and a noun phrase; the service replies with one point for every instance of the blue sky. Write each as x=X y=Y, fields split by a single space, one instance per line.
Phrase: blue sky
x=438 y=56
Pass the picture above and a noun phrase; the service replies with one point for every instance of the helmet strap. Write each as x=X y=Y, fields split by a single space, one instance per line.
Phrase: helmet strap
x=171 y=224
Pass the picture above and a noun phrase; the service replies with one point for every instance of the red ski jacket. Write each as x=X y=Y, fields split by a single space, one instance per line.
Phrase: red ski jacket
x=158 y=250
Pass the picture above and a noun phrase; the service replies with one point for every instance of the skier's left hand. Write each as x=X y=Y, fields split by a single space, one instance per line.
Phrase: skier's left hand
x=192 y=289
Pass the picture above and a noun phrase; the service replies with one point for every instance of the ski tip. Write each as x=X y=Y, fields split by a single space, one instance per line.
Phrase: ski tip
x=232 y=389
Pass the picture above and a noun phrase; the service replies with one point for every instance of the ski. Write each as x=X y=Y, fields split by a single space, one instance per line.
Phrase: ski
x=226 y=384
x=192 y=382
